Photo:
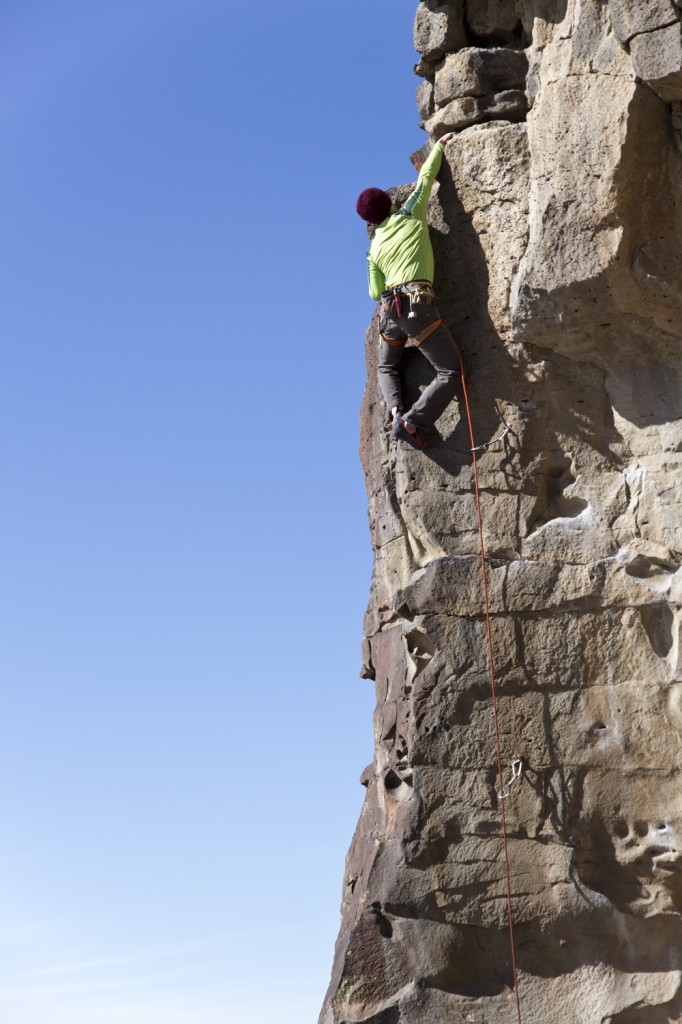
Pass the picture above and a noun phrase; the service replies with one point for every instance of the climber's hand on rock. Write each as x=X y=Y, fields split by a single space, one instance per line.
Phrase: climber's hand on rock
x=446 y=138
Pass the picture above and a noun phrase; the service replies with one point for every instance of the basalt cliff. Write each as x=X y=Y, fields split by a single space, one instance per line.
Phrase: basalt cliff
x=557 y=229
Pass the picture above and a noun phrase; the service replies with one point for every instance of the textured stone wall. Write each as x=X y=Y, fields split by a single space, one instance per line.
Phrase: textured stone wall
x=557 y=226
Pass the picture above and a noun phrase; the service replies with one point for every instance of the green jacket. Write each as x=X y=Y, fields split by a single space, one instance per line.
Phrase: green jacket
x=401 y=248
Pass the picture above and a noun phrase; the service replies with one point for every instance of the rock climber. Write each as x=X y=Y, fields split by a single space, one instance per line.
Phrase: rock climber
x=400 y=269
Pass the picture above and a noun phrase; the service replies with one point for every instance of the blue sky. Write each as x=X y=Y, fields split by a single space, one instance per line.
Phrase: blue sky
x=185 y=554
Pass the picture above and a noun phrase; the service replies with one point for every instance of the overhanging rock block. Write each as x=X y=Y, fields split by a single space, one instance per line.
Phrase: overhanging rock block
x=438 y=29
x=476 y=71
x=510 y=105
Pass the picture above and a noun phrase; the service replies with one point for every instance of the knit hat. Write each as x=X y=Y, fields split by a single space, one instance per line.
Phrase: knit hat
x=373 y=205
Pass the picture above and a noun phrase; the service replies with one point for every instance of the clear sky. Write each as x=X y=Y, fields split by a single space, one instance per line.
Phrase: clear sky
x=185 y=553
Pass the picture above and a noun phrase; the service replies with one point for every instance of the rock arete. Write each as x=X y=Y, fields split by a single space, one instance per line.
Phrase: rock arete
x=557 y=229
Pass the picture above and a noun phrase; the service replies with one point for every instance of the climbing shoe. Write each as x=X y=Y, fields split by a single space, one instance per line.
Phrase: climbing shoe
x=401 y=433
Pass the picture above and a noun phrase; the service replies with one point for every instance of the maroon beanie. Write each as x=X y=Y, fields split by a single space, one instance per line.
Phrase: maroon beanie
x=373 y=205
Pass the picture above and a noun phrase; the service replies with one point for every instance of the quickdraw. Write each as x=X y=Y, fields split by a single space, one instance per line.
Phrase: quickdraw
x=516 y=773
x=487 y=444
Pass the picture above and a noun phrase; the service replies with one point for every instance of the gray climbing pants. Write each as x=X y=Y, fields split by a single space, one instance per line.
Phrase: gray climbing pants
x=433 y=339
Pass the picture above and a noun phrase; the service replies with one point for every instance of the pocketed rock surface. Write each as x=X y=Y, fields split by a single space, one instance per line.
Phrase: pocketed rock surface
x=558 y=241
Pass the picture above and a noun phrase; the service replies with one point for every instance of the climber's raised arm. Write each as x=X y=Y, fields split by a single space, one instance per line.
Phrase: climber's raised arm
x=418 y=200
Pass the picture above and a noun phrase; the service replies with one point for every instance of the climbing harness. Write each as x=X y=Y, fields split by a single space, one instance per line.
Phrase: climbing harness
x=498 y=745
x=414 y=291
x=516 y=773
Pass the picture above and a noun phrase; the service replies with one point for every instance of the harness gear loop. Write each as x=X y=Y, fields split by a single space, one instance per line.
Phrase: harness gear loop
x=498 y=744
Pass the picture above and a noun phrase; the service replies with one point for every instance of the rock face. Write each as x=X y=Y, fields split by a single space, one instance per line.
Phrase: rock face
x=557 y=229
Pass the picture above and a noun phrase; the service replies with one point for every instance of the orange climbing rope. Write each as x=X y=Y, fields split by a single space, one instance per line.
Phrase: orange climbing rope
x=493 y=687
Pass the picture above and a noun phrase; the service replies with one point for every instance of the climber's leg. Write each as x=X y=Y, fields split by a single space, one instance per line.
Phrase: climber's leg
x=390 y=354
x=440 y=349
